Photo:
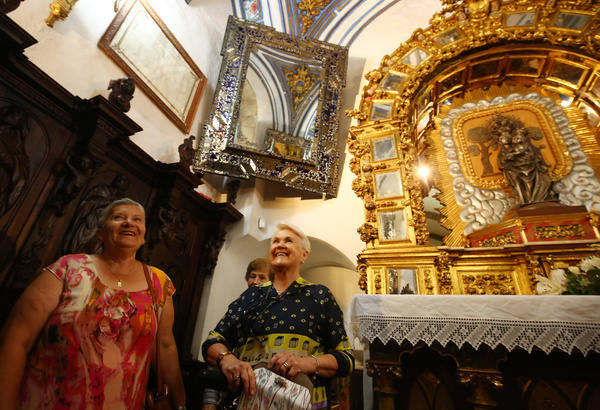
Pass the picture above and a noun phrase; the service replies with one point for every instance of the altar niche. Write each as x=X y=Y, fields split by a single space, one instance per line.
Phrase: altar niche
x=476 y=151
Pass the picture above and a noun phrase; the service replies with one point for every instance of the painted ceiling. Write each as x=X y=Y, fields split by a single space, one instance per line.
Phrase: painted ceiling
x=334 y=21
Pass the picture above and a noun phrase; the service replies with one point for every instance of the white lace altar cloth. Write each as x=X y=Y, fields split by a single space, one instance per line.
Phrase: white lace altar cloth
x=546 y=322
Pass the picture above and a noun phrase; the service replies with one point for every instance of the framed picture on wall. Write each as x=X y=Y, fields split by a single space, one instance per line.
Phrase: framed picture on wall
x=139 y=42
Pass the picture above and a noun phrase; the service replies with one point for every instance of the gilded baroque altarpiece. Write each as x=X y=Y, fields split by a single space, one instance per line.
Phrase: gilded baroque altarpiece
x=433 y=102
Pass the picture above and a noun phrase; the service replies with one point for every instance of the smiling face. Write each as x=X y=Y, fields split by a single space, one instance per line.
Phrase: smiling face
x=257 y=277
x=125 y=227
x=287 y=250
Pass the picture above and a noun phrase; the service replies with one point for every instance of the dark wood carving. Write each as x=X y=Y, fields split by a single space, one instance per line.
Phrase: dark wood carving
x=9 y=5
x=233 y=186
x=186 y=152
x=447 y=377
x=81 y=236
x=121 y=93
x=62 y=159
x=14 y=161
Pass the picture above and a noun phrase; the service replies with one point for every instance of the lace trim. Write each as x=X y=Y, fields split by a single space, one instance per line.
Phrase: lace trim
x=511 y=334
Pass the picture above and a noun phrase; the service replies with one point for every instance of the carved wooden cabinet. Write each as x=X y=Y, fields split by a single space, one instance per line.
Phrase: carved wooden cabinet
x=62 y=159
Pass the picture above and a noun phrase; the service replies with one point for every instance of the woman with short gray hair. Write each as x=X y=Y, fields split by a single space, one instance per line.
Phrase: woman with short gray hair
x=82 y=334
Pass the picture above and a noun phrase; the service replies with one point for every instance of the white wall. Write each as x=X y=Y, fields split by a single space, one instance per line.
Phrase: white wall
x=342 y=282
x=70 y=54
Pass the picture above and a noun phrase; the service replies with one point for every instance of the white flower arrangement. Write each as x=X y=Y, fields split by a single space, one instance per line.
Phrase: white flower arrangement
x=577 y=280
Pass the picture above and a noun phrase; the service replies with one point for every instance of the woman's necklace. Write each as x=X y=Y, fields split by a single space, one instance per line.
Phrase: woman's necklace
x=119 y=281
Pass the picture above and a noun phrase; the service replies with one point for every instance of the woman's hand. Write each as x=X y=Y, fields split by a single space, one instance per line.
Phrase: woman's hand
x=238 y=373
x=289 y=364
x=168 y=357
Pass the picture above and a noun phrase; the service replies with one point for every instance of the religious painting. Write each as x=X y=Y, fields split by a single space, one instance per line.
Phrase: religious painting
x=480 y=159
x=252 y=10
x=140 y=43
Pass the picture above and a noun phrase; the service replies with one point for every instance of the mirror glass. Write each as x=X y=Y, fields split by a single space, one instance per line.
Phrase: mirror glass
x=388 y=184
x=520 y=19
x=573 y=21
x=392 y=81
x=381 y=109
x=392 y=226
x=402 y=281
x=566 y=72
x=384 y=148
x=275 y=113
x=448 y=37
x=415 y=57
x=285 y=126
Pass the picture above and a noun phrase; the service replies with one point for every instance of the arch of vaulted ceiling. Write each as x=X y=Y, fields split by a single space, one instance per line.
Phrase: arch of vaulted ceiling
x=334 y=21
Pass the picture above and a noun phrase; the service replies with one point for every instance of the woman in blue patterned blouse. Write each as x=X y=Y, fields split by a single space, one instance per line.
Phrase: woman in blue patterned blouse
x=292 y=325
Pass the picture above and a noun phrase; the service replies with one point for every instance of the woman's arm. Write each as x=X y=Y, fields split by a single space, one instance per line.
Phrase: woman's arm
x=167 y=356
x=28 y=317
x=236 y=371
x=289 y=365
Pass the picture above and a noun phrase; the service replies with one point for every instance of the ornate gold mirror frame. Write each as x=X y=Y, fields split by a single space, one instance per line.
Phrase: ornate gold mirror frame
x=429 y=103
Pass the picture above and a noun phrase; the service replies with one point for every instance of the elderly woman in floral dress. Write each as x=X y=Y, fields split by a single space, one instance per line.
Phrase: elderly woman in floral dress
x=82 y=334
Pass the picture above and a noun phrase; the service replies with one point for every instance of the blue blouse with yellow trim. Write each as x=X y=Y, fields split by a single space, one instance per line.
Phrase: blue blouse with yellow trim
x=305 y=319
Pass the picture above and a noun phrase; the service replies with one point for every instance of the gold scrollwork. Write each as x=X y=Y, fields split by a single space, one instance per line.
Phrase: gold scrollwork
x=356 y=114
x=499 y=240
x=59 y=10
x=418 y=214
x=357 y=148
x=378 y=282
x=355 y=165
x=442 y=265
x=300 y=82
x=594 y=220
x=361 y=189
x=379 y=369
x=534 y=267
x=362 y=271
x=386 y=204
x=428 y=282
x=481 y=383
x=310 y=9
x=368 y=233
x=489 y=284
x=560 y=231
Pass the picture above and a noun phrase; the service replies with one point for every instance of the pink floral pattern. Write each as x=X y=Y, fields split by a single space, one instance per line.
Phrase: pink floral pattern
x=95 y=349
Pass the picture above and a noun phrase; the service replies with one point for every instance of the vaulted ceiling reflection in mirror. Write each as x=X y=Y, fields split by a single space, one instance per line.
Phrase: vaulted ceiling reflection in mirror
x=275 y=110
x=288 y=88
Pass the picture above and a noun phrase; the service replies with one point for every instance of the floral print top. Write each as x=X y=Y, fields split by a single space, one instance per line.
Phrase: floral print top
x=95 y=350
